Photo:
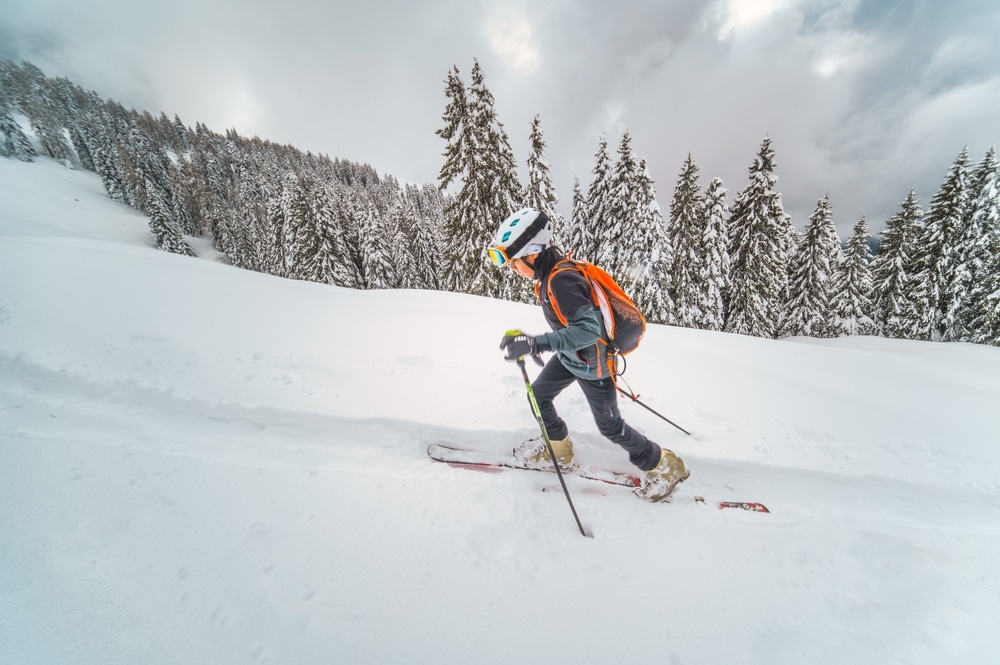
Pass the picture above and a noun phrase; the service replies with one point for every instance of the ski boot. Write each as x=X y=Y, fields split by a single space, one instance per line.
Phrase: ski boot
x=660 y=482
x=534 y=455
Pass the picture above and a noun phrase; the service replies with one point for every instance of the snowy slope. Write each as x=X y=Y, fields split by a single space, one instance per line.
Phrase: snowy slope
x=204 y=465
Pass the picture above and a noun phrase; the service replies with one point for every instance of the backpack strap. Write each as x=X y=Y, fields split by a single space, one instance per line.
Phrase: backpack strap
x=603 y=370
x=564 y=264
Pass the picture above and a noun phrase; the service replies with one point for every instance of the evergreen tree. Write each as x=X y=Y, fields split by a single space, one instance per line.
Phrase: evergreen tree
x=479 y=153
x=108 y=153
x=289 y=224
x=297 y=246
x=685 y=234
x=376 y=254
x=646 y=280
x=715 y=270
x=853 y=289
x=166 y=235
x=13 y=142
x=181 y=136
x=815 y=267
x=576 y=236
x=760 y=236
x=428 y=205
x=81 y=147
x=984 y=289
x=893 y=273
x=982 y=237
x=404 y=225
x=46 y=112
x=615 y=249
x=177 y=183
x=599 y=205
x=331 y=256
x=541 y=192
x=941 y=257
x=349 y=212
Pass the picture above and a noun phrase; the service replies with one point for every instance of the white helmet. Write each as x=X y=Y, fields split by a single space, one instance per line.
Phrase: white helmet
x=527 y=231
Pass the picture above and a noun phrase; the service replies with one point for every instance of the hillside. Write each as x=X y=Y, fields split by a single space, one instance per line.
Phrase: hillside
x=200 y=464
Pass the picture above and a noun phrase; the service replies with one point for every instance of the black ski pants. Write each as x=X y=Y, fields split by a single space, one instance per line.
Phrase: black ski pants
x=602 y=396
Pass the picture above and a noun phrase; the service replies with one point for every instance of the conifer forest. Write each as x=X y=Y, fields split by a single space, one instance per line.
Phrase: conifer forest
x=712 y=261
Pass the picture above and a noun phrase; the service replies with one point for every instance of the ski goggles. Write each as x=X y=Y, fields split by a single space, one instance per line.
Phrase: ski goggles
x=498 y=255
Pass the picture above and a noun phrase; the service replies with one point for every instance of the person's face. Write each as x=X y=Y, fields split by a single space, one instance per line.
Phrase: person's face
x=522 y=268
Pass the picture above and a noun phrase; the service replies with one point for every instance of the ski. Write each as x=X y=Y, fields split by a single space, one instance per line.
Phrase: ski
x=752 y=506
x=480 y=460
x=462 y=457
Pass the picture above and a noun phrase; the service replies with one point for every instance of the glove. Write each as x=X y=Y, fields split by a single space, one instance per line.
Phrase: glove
x=516 y=344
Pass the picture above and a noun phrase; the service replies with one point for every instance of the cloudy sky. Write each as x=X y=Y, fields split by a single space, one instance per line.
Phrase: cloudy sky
x=864 y=99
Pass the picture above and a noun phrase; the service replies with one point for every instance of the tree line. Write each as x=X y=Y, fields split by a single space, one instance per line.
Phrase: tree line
x=267 y=207
x=737 y=266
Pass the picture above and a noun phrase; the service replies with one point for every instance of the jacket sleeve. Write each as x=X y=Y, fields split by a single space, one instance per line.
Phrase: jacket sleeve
x=584 y=329
x=583 y=320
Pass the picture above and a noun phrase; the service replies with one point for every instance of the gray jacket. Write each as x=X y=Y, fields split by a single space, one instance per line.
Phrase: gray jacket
x=582 y=342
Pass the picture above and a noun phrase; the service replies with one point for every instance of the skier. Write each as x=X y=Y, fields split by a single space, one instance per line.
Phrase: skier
x=523 y=242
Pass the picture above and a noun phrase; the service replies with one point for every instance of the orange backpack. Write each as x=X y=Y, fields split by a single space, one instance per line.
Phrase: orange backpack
x=623 y=321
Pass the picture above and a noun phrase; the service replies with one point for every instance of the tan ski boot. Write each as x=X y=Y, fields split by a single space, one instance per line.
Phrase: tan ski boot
x=659 y=483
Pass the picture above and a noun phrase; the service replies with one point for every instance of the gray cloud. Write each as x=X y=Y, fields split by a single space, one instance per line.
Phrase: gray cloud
x=863 y=99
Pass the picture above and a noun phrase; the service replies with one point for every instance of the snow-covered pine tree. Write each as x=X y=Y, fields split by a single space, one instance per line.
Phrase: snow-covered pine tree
x=759 y=239
x=178 y=183
x=376 y=254
x=815 y=267
x=478 y=154
x=940 y=256
x=599 y=205
x=349 y=210
x=428 y=204
x=541 y=192
x=46 y=112
x=13 y=142
x=498 y=172
x=458 y=272
x=332 y=256
x=983 y=314
x=895 y=307
x=180 y=135
x=648 y=281
x=286 y=226
x=615 y=231
x=108 y=152
x=983 y=238
x=456 y=131
x=685 y=233
x=403 y=225
x=162 y=225
x=240 y=232
x=192 y=193
x=715 y=272
x=296 y=245
x=853 y=288
x=81 y=147
x=577 y=228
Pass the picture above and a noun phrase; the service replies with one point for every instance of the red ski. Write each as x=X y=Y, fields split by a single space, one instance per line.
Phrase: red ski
x=484 y=460
x=462 y=458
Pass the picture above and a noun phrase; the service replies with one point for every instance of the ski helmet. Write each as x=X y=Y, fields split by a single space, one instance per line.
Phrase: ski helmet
x=527 y=231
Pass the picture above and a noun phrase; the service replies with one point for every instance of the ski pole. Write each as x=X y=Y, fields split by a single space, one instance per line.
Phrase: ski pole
x=548 y=443
x=635 y=398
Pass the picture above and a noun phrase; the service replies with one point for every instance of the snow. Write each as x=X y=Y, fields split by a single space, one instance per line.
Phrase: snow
x=200 y=464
